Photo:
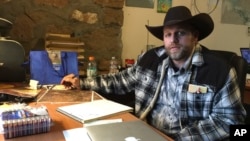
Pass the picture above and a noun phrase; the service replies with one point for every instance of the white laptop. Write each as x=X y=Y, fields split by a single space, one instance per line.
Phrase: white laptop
x=124 y=131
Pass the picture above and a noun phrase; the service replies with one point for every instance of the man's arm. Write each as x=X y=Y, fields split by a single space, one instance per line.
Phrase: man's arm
x=227 y=110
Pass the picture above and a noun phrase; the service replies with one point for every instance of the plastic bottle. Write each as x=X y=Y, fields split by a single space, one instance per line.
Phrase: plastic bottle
x=92 y=68
x=129 y=62
x=113 y=66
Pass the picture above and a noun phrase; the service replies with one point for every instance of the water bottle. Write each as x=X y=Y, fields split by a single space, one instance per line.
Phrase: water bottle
x=113 y=66
x=91 y=69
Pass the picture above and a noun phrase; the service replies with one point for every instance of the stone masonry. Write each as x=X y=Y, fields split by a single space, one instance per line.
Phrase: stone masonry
x=96 y=22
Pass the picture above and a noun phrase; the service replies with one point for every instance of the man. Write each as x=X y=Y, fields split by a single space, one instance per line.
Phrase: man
x=181 y=88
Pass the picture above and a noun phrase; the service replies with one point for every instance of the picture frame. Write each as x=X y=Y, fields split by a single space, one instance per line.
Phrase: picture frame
x=163 y=5
x=140 y=3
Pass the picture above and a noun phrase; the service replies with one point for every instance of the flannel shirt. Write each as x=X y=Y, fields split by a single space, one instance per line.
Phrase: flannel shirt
x=200 y=116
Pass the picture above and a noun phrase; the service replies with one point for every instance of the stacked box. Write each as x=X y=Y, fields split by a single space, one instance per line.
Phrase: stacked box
x=24 y=121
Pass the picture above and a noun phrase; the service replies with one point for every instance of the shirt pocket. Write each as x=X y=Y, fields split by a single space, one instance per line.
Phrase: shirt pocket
x=199 y=104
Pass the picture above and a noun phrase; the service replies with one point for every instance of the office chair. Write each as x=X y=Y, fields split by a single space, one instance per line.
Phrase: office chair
x=5 y=27
x=12 y=55
x=240 y=66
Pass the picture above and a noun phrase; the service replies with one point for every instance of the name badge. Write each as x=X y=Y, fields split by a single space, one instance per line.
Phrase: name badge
x=197 y=89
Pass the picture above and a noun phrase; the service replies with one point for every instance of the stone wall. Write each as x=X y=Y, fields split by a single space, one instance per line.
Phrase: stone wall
x=96 y=22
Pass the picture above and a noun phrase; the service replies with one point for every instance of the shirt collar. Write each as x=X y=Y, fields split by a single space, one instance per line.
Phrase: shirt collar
x=197 y=58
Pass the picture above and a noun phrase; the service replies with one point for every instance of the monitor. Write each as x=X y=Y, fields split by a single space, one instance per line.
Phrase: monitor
x=245 y=53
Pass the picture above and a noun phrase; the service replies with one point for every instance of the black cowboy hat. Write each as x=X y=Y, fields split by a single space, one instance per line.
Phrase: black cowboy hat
x=181 y=14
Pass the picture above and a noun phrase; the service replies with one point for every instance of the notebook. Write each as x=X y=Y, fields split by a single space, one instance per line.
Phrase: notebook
x=97 y=109
x=123 y=131
x=245 y=53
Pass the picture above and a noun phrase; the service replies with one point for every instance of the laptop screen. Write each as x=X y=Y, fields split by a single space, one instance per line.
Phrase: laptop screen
x=245 y=53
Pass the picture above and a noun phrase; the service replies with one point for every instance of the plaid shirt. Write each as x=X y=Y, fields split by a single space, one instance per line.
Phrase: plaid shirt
x=184 y=115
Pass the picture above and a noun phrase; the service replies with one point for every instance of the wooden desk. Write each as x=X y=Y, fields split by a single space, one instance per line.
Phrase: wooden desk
x=62 y=122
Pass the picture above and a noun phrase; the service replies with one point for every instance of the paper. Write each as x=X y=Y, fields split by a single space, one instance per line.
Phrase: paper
x=248 y=76
x=21 y=91
x=99 y=122
x=59 y=87
x=33 y=84
x=197 y=88
x=76 y=134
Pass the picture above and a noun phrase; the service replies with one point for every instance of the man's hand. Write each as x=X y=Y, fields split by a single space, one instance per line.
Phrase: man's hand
x=71 y=82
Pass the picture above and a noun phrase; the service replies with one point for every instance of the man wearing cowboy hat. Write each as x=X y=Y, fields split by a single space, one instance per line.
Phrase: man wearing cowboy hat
x=180 y=88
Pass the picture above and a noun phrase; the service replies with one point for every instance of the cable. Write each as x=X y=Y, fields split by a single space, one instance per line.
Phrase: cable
x=196 y=7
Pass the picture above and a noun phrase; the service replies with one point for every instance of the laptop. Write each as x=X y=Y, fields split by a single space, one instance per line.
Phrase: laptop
x=124 y=131
x=245 y=53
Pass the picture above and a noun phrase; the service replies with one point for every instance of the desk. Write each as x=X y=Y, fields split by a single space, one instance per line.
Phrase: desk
x=62 y=122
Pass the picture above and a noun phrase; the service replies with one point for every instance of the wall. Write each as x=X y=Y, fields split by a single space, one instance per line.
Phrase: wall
x=224 y=37
x=95 y=22
x=102 y=37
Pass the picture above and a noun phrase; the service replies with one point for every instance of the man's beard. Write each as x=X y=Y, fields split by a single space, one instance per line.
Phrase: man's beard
x=183 y=54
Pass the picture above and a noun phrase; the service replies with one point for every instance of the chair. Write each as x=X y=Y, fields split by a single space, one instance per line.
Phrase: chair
x=5 y=27
x=12 y=55
x=240 y=66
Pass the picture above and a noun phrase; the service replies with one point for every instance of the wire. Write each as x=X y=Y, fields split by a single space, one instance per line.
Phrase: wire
x=196 y=7
x=48 y=88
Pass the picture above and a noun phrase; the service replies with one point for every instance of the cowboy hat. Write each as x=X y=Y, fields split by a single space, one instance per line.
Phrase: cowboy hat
x=181 y=14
